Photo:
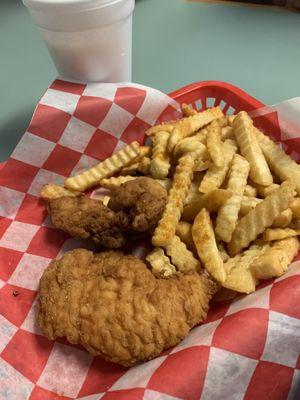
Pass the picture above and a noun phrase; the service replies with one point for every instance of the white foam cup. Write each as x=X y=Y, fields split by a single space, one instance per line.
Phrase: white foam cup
x=89 y=40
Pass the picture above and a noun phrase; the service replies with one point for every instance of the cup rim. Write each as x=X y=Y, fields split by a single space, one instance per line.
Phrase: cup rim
x=69 y=5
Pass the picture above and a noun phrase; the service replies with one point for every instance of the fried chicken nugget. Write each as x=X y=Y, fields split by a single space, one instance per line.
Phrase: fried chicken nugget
x=115 y=307
x=143 y=200
x=89 y=219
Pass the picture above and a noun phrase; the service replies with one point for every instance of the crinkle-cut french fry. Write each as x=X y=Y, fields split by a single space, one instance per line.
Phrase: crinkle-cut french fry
x=231 y=263
x=270 y=235
x=229 y=212
x=160 y=162
x=212 y=201
x=295 y=207
x=250 y=191
x=230 y=119
x=202 y=165
x=201 y=135
x=188 y=145
x=182 y=180
x=187 y=110
x=174 y=138
x=238 y=175
x=248 y=203
x=276 y=260
x=188 y=125
x=241 y=280
x=227 y=218
x=215 y=145
x=181 y=257
x=193 y=193
x=144 y=165
x=239 y=276
x=165 y=127
x=223 y=121
x=295 y=224
x=215 y=176
x=264 y=191
x=105 y=200
x=284 y=219
x=280 y=163
x=114 y=182
x=160 y=263
x=145 y=151
x=130 y=169
x=133 y=166
x=227 y=133
x=205 y=242
x=249 y=148
x=51 y=191
x=104 y=169
x=185 y=143
x=223 y=253
x=260 y=217
x=184 y=232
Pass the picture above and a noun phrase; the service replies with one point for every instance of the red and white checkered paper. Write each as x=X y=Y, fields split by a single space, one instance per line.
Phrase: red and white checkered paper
x=248 y=348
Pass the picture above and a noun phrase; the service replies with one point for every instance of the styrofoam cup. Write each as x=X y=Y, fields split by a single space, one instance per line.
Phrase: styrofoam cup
x=89 y=40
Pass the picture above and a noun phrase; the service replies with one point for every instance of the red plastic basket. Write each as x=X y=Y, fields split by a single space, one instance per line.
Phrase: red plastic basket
x=231 y=99
x=202 y=95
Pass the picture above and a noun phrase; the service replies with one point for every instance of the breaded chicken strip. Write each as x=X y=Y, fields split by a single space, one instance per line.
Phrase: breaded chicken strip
x=143 y=199
x=115 y=307
x=88 y=218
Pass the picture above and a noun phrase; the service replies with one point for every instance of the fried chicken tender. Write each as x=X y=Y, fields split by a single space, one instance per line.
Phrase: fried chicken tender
x=143 y=199
x=115 y=307
x=89 y=219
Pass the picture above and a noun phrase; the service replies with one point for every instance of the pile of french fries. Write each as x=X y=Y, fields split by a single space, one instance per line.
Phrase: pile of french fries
x=232 y=204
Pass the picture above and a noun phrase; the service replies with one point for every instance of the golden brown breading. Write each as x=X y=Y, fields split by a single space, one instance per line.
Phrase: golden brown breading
x=88 y=218
x=134 y=207
x=143 y=199
x=115 y=307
